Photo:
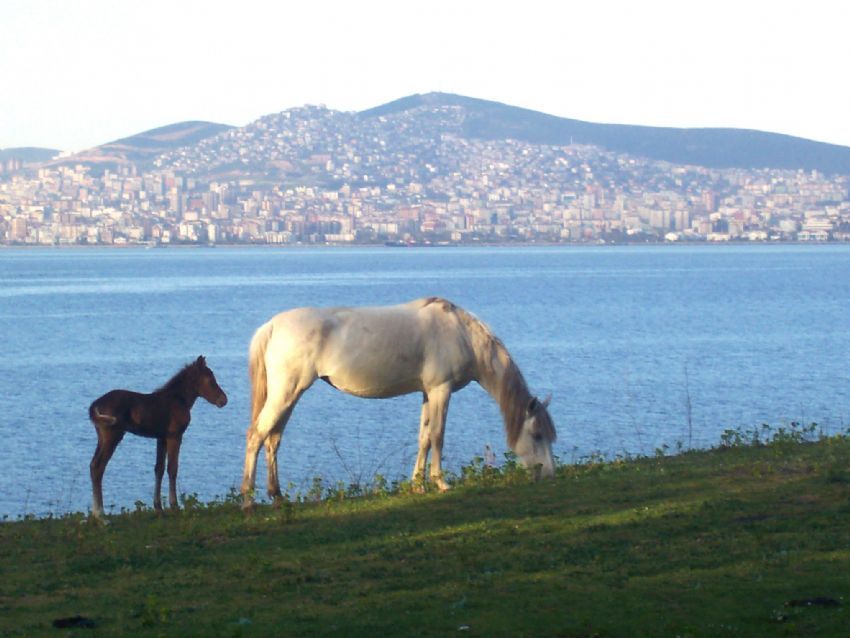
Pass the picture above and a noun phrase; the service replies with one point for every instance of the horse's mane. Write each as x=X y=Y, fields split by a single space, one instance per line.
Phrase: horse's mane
x=178 y=381
x=495 y=362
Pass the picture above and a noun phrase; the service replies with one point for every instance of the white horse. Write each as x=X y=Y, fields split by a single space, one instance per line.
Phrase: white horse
x=428 y=345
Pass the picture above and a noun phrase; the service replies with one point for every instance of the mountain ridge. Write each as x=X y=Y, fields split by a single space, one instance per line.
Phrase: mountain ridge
x=709 y=147
x=718 y=148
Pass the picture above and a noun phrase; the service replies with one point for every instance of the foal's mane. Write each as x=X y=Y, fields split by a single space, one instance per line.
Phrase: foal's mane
x=179 y=381
x=496 y=366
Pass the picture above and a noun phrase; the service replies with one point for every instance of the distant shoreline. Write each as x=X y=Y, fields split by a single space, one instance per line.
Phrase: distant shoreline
x=394 y=247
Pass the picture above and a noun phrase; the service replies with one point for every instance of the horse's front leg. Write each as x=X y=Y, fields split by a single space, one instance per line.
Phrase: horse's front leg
x=438 y=402
x=173 y=448
x=158 y=471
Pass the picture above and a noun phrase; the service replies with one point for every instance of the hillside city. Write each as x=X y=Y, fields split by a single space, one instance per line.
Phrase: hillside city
x=311 y=175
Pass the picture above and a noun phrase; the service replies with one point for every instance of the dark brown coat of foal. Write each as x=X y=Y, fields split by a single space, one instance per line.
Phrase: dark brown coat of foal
x=163 y=415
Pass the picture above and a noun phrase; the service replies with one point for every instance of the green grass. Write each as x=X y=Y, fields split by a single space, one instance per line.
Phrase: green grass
x=709 y=543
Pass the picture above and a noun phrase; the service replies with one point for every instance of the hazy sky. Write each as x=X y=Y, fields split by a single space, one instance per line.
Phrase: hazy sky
x=77 y=73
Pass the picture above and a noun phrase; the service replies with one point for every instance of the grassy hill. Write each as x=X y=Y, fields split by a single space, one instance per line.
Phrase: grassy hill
x=167 y=137
x=144 y=147
x=742 y=540
x=710 y=147
x=28 y=154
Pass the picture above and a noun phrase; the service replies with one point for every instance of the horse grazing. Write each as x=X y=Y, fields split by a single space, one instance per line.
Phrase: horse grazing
x=428 y=345
x=163 y=415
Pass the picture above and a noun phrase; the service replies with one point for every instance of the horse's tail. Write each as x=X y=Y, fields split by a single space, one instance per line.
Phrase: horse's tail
x=100 y=418
x=257 y=369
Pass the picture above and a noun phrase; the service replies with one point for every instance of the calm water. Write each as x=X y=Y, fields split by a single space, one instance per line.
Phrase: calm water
x=622 y=338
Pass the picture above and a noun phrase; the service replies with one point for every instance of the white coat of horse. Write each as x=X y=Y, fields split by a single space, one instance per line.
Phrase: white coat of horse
x=428 y=345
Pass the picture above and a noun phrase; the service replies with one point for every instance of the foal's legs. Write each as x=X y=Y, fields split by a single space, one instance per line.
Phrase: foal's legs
x=158 y=470
x=107 y=441
x=173 y=447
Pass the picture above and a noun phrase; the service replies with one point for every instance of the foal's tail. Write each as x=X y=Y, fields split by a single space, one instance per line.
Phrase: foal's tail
x=257 y=369
x=100 y=418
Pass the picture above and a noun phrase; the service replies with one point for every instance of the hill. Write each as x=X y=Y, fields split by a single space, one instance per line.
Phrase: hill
x=417 y=136
x=28 y=154
x=167 y=137
x=709 y=147
x=275 y=147
x=740 y=540
x=142 y=148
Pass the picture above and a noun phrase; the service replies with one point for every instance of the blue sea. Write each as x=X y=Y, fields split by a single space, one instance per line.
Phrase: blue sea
x=640 y=347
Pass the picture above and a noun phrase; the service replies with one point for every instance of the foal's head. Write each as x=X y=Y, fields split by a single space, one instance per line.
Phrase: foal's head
x=206 y=385
x=534 y=443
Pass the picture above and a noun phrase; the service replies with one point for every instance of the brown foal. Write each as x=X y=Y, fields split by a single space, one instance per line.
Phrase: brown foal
x=163 y=415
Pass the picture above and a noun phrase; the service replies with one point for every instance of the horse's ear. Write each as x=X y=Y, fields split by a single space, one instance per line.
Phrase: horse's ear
x=201 y=361
x=533 y=405
x=547 y=400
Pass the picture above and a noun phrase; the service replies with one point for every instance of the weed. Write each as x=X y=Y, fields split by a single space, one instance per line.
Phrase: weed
x=380 y=486
x=191 y=502
x=317 y=489
x=153 y=612
x=794 y=433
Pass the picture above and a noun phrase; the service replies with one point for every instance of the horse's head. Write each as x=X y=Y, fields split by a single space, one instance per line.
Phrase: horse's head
x=534 y=443
x=207 y=386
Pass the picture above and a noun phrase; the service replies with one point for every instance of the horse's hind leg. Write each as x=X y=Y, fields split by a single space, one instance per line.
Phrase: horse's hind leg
x=272 y=444
x=418 y=477
x=438 y=401
x=272 y=418
x=107 y=441
x=96 y=480
x=158 y=470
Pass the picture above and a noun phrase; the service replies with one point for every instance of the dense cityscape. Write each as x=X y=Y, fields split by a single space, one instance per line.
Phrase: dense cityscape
x=311 y=175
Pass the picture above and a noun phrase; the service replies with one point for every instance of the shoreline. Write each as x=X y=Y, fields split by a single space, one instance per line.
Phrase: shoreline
x=395 y=247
